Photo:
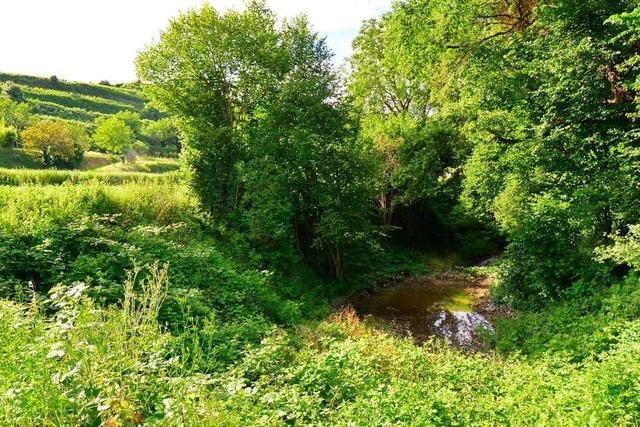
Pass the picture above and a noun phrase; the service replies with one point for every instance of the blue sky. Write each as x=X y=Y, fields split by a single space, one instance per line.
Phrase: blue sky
x=91 y=40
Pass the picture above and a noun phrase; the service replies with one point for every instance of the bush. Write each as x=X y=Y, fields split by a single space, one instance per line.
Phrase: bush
x=8 y=136
x=140 y=147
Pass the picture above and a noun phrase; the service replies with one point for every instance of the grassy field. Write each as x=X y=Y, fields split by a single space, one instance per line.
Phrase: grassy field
x=144 y=164
x=16 y=158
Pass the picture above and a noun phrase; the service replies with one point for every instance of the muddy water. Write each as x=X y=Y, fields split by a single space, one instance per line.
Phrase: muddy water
x=430 y=307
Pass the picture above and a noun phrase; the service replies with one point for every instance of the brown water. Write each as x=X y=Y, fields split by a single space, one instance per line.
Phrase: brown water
x=415 y=305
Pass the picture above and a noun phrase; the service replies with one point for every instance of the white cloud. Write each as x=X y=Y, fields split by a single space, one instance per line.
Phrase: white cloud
x=95 y=40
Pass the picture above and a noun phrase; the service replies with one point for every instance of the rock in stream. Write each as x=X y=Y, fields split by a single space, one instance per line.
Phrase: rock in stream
x=460 y=328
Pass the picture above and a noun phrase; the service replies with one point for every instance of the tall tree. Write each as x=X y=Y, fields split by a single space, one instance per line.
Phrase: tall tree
x=209 y=70
x=267 y=135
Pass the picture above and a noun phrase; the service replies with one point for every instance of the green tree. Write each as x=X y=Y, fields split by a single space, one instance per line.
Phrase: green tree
x=56 y=143
x=209 y=70
x=131 y=119
x=14 y=114
x=113 y=135
x=162 y=136
x=531 y=121
x=267 y=134
x=395 y=82
x=308 y=179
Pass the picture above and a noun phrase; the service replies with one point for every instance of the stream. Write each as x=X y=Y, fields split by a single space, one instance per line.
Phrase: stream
x=451 y=306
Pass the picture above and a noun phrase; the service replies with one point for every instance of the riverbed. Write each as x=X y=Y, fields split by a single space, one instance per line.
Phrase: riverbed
x=450 y=306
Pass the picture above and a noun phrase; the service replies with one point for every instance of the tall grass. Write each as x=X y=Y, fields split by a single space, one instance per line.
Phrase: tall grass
x=145 y=164
x=32 y=207
x=17 y=177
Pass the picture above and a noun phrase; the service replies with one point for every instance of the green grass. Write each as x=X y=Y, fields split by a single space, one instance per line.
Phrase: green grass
x=144 y=164
x=94 y=160
x=16 y=158
x=18 y=177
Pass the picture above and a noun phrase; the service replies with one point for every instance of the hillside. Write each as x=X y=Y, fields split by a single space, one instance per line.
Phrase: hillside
x=78 y=102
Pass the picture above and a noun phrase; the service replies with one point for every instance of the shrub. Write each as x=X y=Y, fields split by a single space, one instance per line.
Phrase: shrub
x=8 y=136
x=140 y=147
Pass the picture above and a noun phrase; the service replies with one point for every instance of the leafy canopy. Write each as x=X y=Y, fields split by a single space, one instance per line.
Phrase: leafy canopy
x=113 y=135
x=56 y=143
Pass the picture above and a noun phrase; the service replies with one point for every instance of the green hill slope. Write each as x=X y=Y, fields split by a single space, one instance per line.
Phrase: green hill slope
x=79 y=102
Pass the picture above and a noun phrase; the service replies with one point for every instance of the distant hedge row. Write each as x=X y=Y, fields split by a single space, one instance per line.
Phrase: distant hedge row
x=59 y=111
x=72 y=100
x=90 y=126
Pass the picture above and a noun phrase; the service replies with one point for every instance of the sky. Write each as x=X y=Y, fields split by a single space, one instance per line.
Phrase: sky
x=93 y=40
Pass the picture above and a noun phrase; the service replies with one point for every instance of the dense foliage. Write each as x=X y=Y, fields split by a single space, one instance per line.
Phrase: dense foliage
x=56 y=143
x=113 y=135
x=523 y=112
x=267 y=135
x=463 y=127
